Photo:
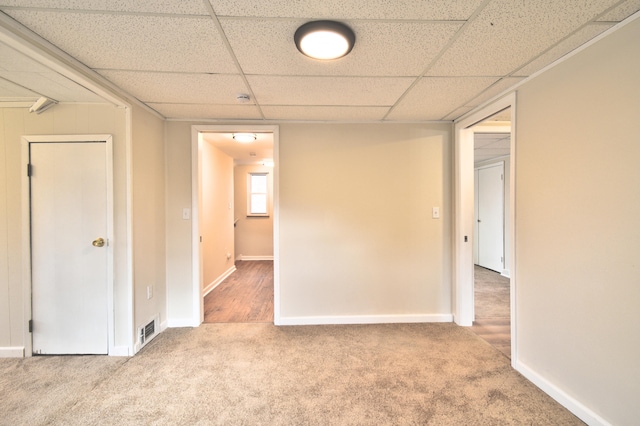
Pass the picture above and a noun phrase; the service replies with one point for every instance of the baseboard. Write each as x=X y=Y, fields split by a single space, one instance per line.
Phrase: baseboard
x=506 y=273
x=566 y=400
x=248 y=258
x=182 y=322
x=365 y=319
x=218 y=280
x=12 y=352
x=119 y=351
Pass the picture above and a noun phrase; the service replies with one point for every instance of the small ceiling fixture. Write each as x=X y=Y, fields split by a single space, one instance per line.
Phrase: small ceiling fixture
x=245 y=137
x=324 y=39
x=243 y=98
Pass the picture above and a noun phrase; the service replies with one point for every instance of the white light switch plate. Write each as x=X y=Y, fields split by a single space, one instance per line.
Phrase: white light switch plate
x=435 y=213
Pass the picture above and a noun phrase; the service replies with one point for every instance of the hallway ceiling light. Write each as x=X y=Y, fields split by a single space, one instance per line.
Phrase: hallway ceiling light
x=244 y=137
x=324 y=39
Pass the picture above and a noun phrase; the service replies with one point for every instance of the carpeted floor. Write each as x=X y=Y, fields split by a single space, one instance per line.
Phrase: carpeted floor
x=259 y=374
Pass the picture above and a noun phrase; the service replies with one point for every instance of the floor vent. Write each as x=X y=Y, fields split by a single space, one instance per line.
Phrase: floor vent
x=147 y=332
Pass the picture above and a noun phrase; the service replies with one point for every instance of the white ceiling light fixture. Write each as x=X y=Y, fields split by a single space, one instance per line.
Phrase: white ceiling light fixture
x=324 y=39
x=245 y=137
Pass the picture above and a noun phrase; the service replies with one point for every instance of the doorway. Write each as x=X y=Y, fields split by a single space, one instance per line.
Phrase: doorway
x=243 y=286
x=465 y=221
x=492 y=314
x=68 y=195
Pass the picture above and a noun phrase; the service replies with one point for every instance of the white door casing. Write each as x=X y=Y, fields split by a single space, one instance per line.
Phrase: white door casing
x=70 y=281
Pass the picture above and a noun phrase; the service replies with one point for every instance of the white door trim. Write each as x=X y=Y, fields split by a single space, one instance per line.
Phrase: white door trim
x=26 y=229
x=198 y=300
x=464 y=212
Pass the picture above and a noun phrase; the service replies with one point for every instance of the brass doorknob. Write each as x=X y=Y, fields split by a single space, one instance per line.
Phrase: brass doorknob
x=98 y=242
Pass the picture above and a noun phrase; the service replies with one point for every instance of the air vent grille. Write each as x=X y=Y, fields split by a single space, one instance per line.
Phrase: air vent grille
x=147 y=332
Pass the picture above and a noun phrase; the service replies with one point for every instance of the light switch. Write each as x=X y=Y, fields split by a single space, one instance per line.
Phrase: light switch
x=435 y=213
x=186 y=214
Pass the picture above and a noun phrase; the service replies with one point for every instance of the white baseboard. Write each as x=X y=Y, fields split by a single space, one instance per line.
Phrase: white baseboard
x=566 y=400
x=506 y=273
x=182 y=322
x=246 y=258
x=119 y=351
x=365 y=319
x=12 y=352
x=218 y=280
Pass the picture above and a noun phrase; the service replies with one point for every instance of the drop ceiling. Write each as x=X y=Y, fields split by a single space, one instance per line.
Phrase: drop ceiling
x=413 y=60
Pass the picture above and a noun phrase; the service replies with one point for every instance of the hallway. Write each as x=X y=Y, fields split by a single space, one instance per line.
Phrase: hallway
x=246 y=296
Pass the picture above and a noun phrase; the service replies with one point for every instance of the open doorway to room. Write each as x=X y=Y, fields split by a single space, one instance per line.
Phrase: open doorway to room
x=492 y=149
x=236 y=216
x=467 y=310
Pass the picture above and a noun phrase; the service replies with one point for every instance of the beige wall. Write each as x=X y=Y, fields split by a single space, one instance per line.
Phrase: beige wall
x=180 y=297
x=216 y=214
x=149 y=227
x=578 y=229
x=61 y=119
x=253 y=235
x=356 y=234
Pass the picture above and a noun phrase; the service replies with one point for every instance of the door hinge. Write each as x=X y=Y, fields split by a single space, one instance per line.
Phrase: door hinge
x=30 y=326
x=29 y=170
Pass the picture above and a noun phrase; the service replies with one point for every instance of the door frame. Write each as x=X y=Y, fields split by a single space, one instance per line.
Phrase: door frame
x=26 y=229
x=464 y=214
x=198 y=296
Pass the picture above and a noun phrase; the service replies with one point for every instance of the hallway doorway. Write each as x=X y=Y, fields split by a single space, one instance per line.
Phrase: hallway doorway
x=246 y=296
x=235 y=223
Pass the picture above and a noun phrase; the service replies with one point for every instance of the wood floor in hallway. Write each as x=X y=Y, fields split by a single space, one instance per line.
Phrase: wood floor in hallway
x=244 y=296
x=492 y=308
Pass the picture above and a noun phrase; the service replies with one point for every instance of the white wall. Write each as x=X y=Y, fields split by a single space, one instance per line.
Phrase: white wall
x=61 y=119
x=216 y=213
x=253 y=235
x=578 y=228
x=149 y=227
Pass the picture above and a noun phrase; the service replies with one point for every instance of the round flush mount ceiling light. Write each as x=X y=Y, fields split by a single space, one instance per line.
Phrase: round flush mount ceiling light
x=324 y=39
x=244 y=137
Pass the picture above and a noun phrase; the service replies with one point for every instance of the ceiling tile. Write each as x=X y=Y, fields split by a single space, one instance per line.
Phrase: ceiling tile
x=622 y=11
x=328 y=113
x=177 y=87
x=341 y=91
x=565 y=46
x=195 y=111
x=434 y=98
x=193 y=7
x=381 y=49
x=494 y=90
x=355 y=9
x=133 y=41
x=508 y=33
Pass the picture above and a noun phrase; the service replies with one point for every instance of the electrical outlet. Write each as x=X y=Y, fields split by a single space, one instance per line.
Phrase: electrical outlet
x=149 y=292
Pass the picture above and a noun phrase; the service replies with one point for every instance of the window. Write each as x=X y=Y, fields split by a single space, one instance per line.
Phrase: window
x=258 y=194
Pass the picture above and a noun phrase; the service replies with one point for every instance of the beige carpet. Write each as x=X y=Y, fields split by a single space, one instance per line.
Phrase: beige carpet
x=259 y=374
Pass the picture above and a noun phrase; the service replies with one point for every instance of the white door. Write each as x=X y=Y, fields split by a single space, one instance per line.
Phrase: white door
x=69 y=261
x=490 y=217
